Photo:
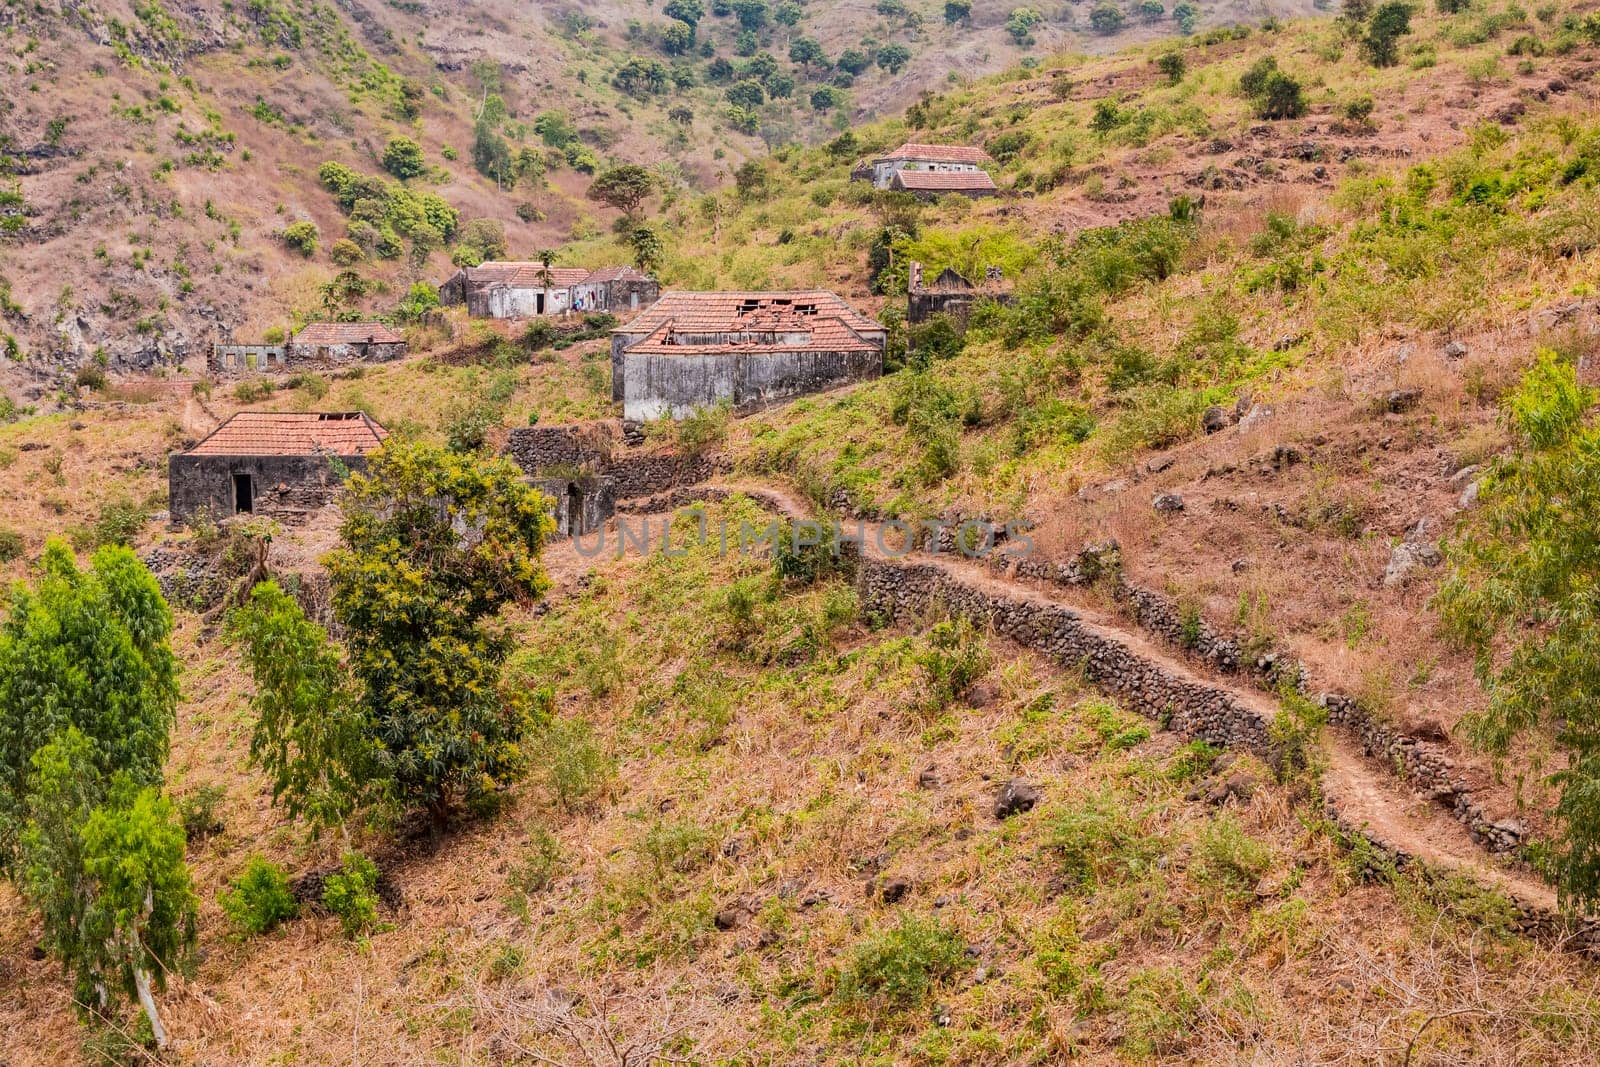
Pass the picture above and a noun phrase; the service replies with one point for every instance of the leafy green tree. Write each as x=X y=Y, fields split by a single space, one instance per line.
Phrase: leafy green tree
x=957 y=11
x=1173 y=65
x=1106 y=18
x=641 y=78
x=102 y=860
x=677 y=38
x=402 y=157
x=827 y=98
x=854 y=61
x=555 y=129
x=1521 y=595
x=88 y=650
x=752 y=14
x=894 y=57
x=624 y=187
x=1151 y=10
x=433 y=544
x=750 y=180
x=490 y=153
x=647 y=248
x=1390 y=22
x=1187 y=15
x=688 y=12
x=311 y=735
x=806 y=51
x=747 y=94
x=788 y=13
x=1021 y=22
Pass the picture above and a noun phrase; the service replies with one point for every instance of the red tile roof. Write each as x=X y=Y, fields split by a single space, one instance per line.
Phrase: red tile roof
x=733 y=312
x=939 y=181
x=823 y=334
x=938 y=153
x=347 y=333
x=293 y=433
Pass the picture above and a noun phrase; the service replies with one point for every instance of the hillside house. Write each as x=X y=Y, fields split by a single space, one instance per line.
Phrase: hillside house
x=520 y=290
x=282 y=464
x=694 y=350
x=951 y=293
x=320 y=344
x=922 y=158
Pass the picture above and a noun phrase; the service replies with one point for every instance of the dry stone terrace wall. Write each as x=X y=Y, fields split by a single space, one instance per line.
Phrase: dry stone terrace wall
x=1186 y=705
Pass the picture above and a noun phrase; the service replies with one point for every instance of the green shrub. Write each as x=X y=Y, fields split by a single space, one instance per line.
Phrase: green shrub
x=252 y=390
x=955 y=657
x=351 y=893
x=897 y=968
x=260 y=898
x=121 y=518
x=1228 y=857
x=301 y=237
x=11 y=545
x=539 y=864
x=575 y=766
x=197 y=810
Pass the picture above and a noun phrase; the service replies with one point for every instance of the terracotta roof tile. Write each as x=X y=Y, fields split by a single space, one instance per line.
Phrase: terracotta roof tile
x=616 y=274
x=293 y=433
x=938 y=153
x=944 y=181
x=820 y=334
x=732 y=312
x=346 y=333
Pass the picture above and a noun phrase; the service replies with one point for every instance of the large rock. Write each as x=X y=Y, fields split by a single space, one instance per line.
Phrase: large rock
x=1167 y=502
x=1215 y=419
x=1406 y=558
x=1014 y=798
x=1400 y=401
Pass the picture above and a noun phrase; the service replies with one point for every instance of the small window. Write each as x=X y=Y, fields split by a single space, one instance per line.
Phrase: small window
x=244 y=494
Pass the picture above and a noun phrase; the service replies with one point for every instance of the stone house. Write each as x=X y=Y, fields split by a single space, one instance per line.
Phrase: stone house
x=281 y=464
x=320 y=344
x=930 y=184
x=951 y=293
x=922 y=158
x=520 y=290
x=695 y=350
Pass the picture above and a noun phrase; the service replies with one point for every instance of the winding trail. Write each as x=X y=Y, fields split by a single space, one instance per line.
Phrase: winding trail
x=1363 y=796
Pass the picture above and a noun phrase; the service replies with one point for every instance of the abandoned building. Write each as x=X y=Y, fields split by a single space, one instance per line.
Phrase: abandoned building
x=520 y=290
x=930 y=185
x=952 y=294
x=924 y=159
x=695 y=350
x=320 y=344
x=281 y=464
x=569 y=464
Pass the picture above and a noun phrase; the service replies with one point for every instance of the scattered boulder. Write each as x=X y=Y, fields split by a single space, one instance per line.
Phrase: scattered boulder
x=1469 y=495
x=890 y=891
x=1167 y=502
x=1014 y=798
x=1406 y=558
x=1455 y=350
x=1254 y=417
x=1460 y=478
x=928 y=778
x=1158 y=464
x=1215 y=419
x=1286 y=456
x=1400 y=401
x=1238 y=788
x=727 y=919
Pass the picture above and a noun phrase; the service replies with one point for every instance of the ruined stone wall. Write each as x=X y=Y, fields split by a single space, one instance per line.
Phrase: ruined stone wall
x=540 y=449
x=906 y=591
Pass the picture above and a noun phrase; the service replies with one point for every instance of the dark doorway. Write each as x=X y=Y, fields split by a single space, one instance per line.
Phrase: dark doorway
x=538 y=303
x=575 y=511
x=244 y=494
